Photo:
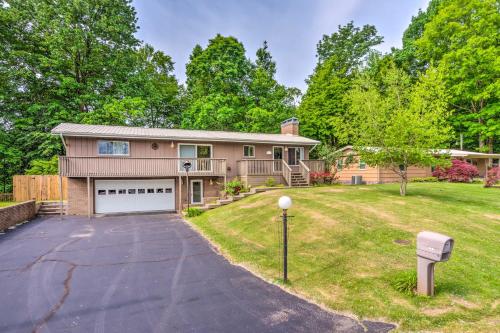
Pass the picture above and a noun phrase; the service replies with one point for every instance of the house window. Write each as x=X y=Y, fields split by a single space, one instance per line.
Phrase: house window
x=122 y=191
x=339 y=165
x=151 y=190
x=111 y=191
x=249 y=151
x=113 y=147
x=190 y=153
x=362 y=165
x=495 y=162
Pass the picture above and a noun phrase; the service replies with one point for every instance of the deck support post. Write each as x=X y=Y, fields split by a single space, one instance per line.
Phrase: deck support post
x=180 y=195
x=88 y=197
x=60 y=196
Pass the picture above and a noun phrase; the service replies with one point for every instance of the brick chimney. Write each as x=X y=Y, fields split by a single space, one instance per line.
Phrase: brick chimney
x=290 y=126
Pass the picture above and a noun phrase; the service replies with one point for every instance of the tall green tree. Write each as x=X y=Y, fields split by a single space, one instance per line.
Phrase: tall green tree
x=217 y=77
x=462 y=40
x=153 y=82
x=399 y=123
x=323 y=110
x=58 y=61
x=271 y=102
x=227 y=91
x=407 y=57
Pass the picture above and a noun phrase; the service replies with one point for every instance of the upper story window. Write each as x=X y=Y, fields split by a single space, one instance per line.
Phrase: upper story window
x=113 y=147
x=362 y=165
x=248 y=151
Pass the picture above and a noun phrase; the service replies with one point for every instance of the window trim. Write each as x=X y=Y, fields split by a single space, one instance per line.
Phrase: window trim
x=192 y=192
x=253 y=146
x=364 y=165
x=340 y=164
x=102 y=140
x=195 y=149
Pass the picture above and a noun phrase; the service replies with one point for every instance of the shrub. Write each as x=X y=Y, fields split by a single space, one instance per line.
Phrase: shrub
x=492 y=177
x=424 y=179
x=270 y=182
x=405 y=282
x=321 y=177
x=193 y=211
x=459 y=171
x=233 y=187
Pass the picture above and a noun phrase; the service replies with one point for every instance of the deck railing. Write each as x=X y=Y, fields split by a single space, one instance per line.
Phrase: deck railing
x=305 y=171
x=139 y=166
x=287 y=173
x=259 y=167
x=315 y=165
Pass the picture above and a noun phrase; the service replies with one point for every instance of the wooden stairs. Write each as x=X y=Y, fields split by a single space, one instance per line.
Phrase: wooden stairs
x=52 y=208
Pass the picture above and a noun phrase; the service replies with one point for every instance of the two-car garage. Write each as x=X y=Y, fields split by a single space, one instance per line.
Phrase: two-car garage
x=134 y=195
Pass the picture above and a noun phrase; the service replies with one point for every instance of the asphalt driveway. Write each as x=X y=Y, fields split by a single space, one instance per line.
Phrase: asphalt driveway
x=141 y=273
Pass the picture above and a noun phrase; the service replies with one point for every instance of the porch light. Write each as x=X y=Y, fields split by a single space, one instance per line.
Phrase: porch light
x=172 y=145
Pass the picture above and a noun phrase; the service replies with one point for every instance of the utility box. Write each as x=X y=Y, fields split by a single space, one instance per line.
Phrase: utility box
x=431 y=248
x=356 y=180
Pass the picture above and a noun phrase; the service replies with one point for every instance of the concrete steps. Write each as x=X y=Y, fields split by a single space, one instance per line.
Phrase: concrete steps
x=52 y=208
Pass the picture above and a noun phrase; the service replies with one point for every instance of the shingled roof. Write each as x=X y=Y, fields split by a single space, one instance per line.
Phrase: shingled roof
x=126 y=132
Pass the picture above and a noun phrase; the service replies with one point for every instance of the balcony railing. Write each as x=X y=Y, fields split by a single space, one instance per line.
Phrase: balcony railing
x=139 y=166
x=260 y=167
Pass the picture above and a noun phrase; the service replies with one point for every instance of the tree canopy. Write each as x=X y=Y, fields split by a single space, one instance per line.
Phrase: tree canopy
x=323 y=110
x=398 y=124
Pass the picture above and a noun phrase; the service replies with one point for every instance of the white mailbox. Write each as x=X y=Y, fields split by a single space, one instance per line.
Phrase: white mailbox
x=434 y=246
x=431 y=248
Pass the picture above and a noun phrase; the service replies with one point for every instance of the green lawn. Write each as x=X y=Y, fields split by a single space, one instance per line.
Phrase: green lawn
x=343 y=253
x=7 y=203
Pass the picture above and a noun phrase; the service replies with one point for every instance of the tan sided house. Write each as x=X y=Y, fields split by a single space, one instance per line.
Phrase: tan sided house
x=114 y=169
x=349 y=165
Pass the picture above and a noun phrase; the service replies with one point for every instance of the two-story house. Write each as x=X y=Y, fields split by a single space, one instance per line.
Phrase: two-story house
x=114 y=169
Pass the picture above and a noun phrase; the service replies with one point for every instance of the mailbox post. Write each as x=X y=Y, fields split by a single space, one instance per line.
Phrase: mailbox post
x=431 y=248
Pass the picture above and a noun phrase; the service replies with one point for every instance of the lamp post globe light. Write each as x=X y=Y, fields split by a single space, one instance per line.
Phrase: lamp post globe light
x=284 y=203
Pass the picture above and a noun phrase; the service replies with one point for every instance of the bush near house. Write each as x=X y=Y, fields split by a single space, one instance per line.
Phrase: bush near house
x=321 y=177
x=492 y=177
x=193 y=211
x=459 y=172
x=234 y=187
x=424 y=179
x=270 y=182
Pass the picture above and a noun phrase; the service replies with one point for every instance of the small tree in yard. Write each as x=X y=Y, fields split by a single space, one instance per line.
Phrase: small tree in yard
x=397 y=124
x=492 y=177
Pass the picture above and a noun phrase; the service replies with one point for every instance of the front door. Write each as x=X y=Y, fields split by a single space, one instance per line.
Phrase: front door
x=277 y=157
x=295 y=154
x=196 y=191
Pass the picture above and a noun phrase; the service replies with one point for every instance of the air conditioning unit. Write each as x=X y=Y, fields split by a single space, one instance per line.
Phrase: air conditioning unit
x=356 y=180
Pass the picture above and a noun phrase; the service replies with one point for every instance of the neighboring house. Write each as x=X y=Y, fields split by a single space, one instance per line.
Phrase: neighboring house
x=351 y=165
x=113 y=169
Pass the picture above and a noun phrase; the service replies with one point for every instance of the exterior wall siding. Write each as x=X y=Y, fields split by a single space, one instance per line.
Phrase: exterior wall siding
x=232 y=151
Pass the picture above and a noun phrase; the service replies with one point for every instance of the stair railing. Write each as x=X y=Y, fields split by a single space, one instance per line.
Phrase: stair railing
x=305 y=171
x=287 y=173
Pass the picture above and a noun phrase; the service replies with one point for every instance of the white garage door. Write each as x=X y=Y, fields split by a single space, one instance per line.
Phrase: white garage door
x=141 y=195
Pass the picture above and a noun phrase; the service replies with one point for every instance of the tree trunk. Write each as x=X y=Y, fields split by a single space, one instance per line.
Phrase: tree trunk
x=402 y=184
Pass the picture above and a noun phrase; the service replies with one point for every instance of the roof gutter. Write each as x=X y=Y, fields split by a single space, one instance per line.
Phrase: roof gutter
x=183 y=139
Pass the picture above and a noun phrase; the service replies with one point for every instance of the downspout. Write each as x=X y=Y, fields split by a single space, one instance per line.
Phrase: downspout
x=64 y=143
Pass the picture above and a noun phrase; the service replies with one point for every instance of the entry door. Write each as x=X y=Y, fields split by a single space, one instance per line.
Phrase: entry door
x=137 y=195
x=196 y=191
x=295 y=154
x=277 y=157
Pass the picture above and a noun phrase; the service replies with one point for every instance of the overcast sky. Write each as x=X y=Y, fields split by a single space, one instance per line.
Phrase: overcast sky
x=291 y=27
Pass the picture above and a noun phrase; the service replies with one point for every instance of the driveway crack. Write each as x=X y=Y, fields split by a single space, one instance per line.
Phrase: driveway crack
x=59 y=304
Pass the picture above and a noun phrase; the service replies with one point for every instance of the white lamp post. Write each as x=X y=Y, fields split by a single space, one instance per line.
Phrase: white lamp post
x=284 y=203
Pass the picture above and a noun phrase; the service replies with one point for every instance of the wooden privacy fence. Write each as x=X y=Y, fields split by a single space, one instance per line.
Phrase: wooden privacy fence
x=38 y=187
